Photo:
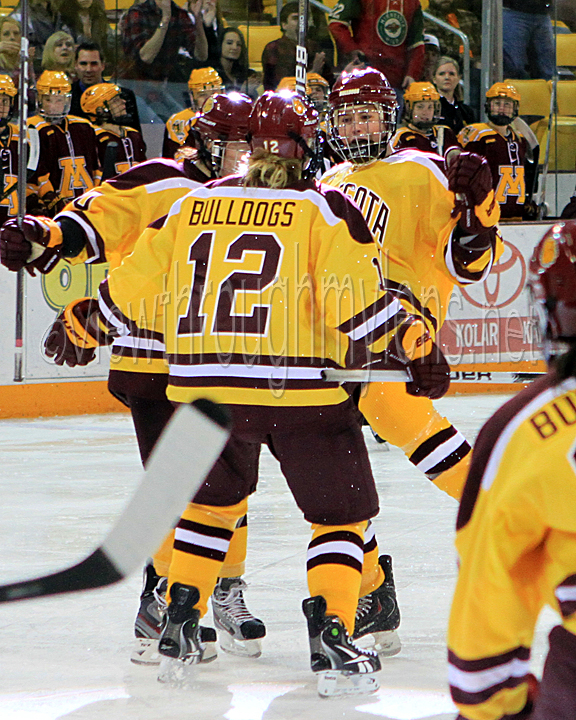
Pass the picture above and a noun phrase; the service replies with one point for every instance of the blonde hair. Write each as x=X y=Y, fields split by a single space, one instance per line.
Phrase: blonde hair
x=269 y=170
x=48 y=57
x=10 y=62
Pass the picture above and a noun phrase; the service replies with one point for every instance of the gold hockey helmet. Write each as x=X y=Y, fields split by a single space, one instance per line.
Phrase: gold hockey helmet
x=7 y=86
x=204 y=79
x=506 y=91
x=53 y=82
x=94 y=100
x=420 y=91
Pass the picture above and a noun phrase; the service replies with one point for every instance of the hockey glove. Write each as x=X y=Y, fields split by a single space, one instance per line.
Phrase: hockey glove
x=470 y=179
x=76 y=333
x=34 y=246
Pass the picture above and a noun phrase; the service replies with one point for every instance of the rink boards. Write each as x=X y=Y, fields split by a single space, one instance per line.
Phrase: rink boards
x=489 y=326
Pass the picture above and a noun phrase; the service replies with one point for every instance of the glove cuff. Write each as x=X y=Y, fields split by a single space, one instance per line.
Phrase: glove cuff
x=416 y=341
x=78 y=326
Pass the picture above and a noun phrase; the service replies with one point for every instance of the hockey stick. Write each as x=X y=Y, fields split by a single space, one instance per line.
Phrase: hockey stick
x=22 y=177
x=301 y=52
x=364 y=376
x=185 y=453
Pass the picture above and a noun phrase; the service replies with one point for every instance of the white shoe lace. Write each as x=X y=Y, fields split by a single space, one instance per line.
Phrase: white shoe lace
x=231 y=603
x=159 y=593
x=364 y=606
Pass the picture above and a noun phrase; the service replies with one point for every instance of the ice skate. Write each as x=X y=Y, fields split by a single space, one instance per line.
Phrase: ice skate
x=180 y=641
x=148 y=624
x=239 y=632
x=343 y=668
x=378 y=616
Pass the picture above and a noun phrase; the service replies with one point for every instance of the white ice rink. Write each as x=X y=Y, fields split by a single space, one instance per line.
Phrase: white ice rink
x=64 y=481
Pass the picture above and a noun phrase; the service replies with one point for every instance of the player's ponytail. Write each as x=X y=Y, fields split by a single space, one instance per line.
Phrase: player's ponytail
x=268 y=170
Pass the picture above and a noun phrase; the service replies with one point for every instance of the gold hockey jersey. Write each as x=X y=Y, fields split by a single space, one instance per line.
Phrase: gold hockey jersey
x=255 y=290
x=112 y=218
x=516 y=541
x=407 y=204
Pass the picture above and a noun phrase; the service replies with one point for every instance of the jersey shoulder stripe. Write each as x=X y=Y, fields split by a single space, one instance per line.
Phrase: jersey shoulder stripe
x=146 y=173
x=424 y=159
x=475 y=132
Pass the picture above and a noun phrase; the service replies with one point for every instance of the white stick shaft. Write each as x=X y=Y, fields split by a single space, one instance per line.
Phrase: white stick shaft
x=481 y=377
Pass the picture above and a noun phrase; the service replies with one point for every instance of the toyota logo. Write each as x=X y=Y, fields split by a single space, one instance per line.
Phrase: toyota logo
x=496 y=293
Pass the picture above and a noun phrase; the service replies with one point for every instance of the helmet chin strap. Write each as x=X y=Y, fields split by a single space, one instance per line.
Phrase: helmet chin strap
x=314 y=156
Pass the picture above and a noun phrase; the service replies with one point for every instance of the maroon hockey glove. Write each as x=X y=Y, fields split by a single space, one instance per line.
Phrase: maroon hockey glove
x=430 y=375
x=35 y=245
x=75 y=335
x=469 y=175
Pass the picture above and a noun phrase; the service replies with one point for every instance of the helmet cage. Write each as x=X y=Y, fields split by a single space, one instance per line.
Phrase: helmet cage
x=365 y=148
x=51 y=116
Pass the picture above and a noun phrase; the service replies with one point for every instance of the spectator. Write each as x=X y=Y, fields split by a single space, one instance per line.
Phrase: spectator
x=421 y=128
x=86 y=20
x=89 y=69
x=58 y=53
x=10 y=37
x=431 y=55
x=119 y=147
x=231 y=60
x=43 y=20
x=453 y=112
x=279 y=56
x=504 y=149
x=528 y=39
x=391 y=39
x=155 y=33
x=467 y=22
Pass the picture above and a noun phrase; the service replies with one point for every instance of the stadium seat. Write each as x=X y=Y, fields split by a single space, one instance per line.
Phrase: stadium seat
x=534 y=98
x=566 y=50
x=561 y=27
x=564 y=128
x=257 y=37
x=566 y=97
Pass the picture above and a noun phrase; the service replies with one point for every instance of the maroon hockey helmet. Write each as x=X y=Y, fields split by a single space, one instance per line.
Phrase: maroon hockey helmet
x=362 y=92
x=552 y=284
x=223 y=119
x=285 y=124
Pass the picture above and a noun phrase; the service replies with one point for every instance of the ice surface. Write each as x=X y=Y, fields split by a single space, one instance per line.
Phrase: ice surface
x=65 y=480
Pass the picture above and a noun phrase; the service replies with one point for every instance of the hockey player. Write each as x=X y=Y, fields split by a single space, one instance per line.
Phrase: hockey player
x=67 y=148
x=9 y=133
x=202 y=84
x=104 y=226
x=242 y=246
x=516 y=527
x=504 y=148
x=421 y=131
x=119 y=145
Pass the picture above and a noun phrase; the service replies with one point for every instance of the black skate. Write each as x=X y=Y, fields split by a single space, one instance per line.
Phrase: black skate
x=148 y=624
x=343 y=668
x=378 y=615
x=239 y=631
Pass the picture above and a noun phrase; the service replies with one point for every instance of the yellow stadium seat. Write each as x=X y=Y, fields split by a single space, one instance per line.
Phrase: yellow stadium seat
x=118 y=4
x=565 y=129
x=534 y=96
x=566 y=50
x=257 y=37
x=566 y=97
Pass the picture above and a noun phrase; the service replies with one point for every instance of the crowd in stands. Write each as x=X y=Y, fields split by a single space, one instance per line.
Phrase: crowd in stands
x=155 y=47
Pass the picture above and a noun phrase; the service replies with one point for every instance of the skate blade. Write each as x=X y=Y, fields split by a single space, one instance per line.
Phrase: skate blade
x=174 y=671
x=242 y=648
x=386 y=642
x=335 y=683
x=146 y=652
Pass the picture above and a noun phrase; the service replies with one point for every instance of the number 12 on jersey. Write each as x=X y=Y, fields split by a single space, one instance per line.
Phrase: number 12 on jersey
x=257 y=258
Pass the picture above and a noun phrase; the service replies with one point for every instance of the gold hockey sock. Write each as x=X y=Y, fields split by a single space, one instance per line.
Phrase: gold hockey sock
x=163 y=555
x=334 y=566
x=201 y=541
x=235 y=561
